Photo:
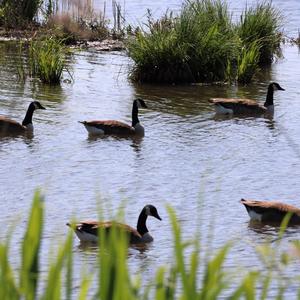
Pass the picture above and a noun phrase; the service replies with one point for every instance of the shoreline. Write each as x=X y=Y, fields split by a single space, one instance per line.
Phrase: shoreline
x=106 y=45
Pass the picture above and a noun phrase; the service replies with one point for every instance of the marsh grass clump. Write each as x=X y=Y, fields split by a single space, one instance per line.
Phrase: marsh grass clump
x=158 y=55
x=69 y=20
x=247 y=62
x=194 y=46
x=202 y=44
x=71 y=30
x=75 y=21
x=18 y=13
x=262 y=24
x=47 y=59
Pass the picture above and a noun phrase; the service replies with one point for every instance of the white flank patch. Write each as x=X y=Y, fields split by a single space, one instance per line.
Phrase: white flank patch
x=94 y=130
x=86 y=237
x=222 y=110
x=254 y=216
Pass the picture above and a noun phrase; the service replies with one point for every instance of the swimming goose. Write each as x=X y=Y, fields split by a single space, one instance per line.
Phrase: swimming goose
x=271 y=211
x=246 y=106
x=8 y=126
x=87 y=231
x=117 y=127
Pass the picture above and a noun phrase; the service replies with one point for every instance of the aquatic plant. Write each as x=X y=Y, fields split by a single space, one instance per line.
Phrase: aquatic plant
x=192 y=47
x=18 y=13
x=47 y=59
x=79 y=21
x=180 y=280
x=202 y=44
x=247 y=62
x=262 y=24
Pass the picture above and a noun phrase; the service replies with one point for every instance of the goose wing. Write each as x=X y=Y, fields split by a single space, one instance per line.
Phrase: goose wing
x=266 y=205
x=239 y=105
x=92 y=227
x=110 y=126
x=7 y=124
x=228 y=101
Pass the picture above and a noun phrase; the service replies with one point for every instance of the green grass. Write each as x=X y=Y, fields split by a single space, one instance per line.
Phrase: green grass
x=202 y=44
x=247 y=62
x=18 y=13
x=180 y=280
x=47 y=60
x=262 y=24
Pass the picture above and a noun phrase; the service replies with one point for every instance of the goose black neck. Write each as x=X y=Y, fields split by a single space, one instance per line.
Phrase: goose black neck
x=141 y=224
x=269 y=99
x=28 y=117
x=135 y=112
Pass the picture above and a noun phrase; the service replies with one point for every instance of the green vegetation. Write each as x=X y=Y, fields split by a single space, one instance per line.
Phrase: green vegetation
x=70 y=29
x=261 y=25
x=21 y=13
x=181 y=280
x=46 y=60
x=43 y=18
x=202 y=44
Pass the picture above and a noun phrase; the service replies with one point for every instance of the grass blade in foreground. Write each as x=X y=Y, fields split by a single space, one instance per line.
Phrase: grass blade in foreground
x=31 y=249
x=114 y=280
x=8 y=287
x=54 y=286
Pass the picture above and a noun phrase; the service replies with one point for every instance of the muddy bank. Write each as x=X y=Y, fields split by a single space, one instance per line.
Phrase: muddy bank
x=108 y=44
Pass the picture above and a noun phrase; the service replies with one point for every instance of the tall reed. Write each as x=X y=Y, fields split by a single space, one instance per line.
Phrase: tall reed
x=47 y=59
x=202 y=44
x=180 y=280
x=247 y=62
x=262 y=24
x=18 y=13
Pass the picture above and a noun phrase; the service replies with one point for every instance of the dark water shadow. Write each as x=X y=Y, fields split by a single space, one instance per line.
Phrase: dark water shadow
x=26 y=136
x=221 y=117
x=272 y=229
x=136 y=140
x=267 y=119
x=93 y=248
x=47 y=92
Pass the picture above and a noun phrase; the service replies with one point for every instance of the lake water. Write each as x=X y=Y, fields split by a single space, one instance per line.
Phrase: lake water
x=199 y=164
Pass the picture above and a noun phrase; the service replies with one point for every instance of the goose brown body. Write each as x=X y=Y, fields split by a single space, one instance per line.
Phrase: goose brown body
x=271 y=211
x=87 y=231
x=9 y=126
x=246 y=106
x=113 y=127
x=91 y=227
x=239 y=106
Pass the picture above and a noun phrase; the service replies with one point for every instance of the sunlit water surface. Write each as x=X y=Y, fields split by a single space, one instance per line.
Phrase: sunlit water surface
x=199 y=164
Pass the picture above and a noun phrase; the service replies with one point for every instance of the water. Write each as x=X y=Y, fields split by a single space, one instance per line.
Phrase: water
x=199 y=164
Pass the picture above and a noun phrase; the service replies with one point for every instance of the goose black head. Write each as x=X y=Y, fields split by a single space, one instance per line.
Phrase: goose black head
x=276 y=87
x=151 y=210
x=37 y=105
x=140 y=103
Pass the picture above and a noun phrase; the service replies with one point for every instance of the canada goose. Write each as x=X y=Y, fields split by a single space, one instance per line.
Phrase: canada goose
x=246 y=106
x=87 y=231
x=8 y=126
x=271 y=211
x=116 y=127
